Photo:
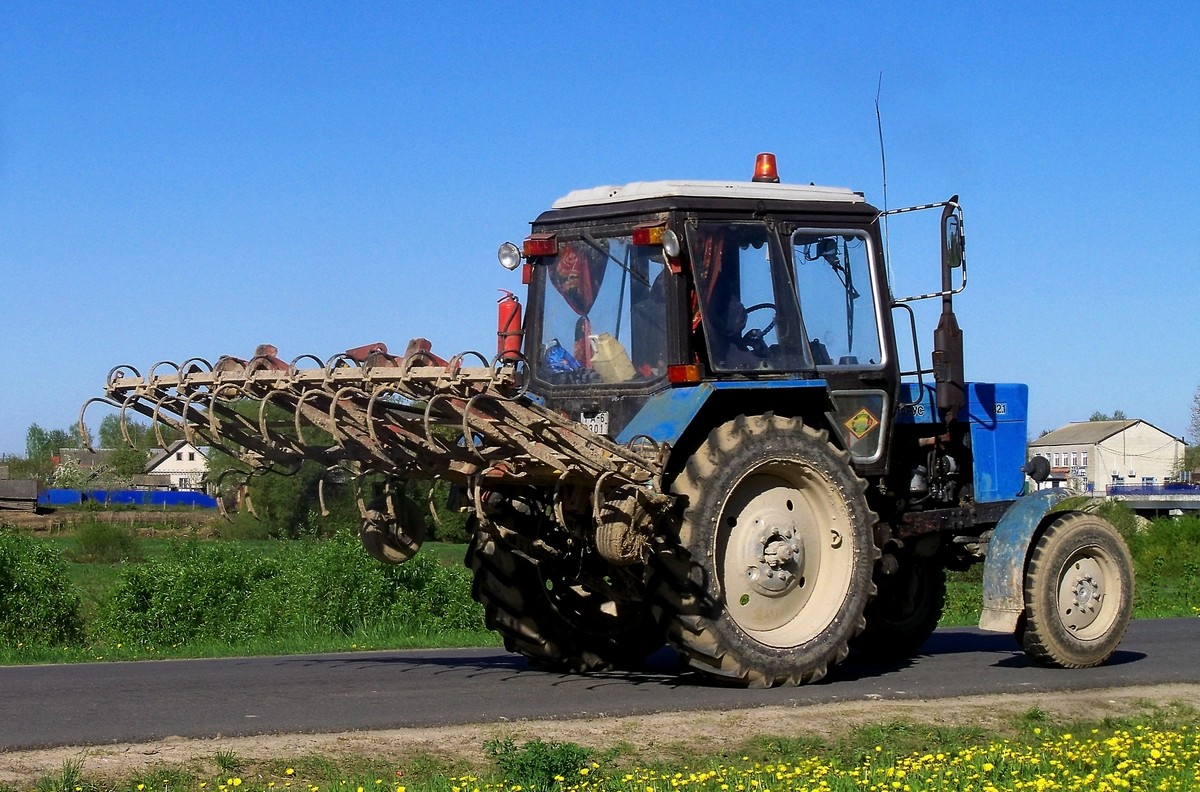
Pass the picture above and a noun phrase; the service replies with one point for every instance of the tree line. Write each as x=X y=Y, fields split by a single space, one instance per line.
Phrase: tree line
x=123 y=461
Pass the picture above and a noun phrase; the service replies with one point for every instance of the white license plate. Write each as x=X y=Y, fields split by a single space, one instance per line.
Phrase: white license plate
x=597 y=423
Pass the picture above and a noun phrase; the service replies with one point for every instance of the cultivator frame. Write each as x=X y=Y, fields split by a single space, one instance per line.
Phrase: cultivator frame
x=410 y=417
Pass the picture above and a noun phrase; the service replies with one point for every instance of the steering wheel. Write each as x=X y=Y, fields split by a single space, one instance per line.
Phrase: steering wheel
x=753 y=339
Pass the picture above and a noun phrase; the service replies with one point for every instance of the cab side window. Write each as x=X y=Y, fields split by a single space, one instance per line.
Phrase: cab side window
x=833 y=277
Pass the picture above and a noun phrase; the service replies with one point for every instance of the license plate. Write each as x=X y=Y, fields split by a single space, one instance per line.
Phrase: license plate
x=597 y=423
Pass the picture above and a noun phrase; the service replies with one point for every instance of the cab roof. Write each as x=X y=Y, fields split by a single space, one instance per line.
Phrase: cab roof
x=637 y=191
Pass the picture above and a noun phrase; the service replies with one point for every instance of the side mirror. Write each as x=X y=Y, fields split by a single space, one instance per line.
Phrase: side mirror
x=953 y=244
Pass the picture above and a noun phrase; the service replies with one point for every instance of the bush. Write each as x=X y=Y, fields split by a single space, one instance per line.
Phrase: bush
x=105 y=543
x=536 y=764
x=309 y=588
x=38 y=606
x=1166 y=555
x=1121 y=516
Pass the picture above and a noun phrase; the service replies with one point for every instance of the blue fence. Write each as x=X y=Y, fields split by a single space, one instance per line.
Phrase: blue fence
x=1173 y=488
x=74 y=497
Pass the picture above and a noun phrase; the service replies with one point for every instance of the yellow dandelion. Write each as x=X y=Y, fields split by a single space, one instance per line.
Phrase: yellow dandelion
x=289 y=771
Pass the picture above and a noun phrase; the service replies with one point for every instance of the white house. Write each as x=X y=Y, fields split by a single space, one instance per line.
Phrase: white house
x=180 y=466
x=1093 y=455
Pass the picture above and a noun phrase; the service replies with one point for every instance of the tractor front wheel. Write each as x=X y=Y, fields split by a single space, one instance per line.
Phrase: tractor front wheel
x=1078 y=592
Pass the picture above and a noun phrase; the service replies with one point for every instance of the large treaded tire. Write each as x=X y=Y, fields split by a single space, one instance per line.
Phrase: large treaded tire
x=1078 y=592
x=905 y=612
x=552 y=618
x=770 y=573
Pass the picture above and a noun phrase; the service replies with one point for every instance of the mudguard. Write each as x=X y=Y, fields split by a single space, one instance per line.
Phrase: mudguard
x=1008 y=549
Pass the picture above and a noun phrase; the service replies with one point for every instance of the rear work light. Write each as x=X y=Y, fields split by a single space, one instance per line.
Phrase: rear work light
x=540 y=245
x=649 y=235
x=683 y=374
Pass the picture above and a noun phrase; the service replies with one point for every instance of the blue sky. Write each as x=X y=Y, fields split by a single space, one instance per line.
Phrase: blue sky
x=187 y=179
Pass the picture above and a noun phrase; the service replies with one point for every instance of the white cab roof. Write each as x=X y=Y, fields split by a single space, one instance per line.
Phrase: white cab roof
x=637 y=191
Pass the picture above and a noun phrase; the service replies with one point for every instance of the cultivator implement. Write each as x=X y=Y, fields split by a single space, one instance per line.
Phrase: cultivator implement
x=366 y=412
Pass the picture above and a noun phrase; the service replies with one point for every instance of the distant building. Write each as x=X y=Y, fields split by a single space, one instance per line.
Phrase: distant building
x=1093 y=455
x=180 y=466
x=84 y=458
x=17 y=494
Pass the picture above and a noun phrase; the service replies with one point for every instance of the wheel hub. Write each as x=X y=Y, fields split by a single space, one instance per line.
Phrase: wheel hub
x=780 y=556
x=1081 y=593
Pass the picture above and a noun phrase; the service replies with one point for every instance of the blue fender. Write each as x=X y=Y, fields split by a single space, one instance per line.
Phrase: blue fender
x=1004 y=566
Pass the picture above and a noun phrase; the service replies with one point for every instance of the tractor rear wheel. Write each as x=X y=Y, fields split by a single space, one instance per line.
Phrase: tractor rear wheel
x=770 y=573
x=1078 y=592
x=905 y=612
x=566 y=613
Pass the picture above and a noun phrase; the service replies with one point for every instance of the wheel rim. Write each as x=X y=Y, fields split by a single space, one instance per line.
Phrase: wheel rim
x=786 y=553
x=1089 y=593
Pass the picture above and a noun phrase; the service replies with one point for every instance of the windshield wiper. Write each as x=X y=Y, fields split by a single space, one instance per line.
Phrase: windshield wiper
x=596 y=244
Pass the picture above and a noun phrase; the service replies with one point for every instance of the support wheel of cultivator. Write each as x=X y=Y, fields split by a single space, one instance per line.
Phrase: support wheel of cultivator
x=393 y=529
x=769 y=576
x=1078 y=592
x=905 y=611
x=564 y=613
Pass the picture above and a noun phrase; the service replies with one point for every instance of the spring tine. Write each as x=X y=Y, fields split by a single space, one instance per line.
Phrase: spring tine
x=84 y=435
x=433 y=512
x=150 y=374
x=157 y=421
x=197 y=362
x=118 y=373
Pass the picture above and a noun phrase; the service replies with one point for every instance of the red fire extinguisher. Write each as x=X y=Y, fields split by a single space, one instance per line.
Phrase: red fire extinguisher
x=508 y=328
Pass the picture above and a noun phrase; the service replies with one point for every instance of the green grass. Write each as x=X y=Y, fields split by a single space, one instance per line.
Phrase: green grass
x=1156 y=749
x=96 y=559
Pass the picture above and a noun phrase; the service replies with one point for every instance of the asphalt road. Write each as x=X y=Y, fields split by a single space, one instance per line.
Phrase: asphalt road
x=96 y=703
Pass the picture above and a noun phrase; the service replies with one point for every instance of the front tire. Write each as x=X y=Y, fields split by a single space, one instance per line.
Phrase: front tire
x=1078 y=592
x=770 y=573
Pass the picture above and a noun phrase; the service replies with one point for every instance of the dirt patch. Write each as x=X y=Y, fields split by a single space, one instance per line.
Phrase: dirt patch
x=660 y=736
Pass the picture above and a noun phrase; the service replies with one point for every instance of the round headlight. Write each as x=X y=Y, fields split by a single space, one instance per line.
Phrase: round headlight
x=670 y=243
x=509 y=255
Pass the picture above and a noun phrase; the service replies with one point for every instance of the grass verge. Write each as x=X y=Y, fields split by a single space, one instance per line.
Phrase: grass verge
x=1157 y=747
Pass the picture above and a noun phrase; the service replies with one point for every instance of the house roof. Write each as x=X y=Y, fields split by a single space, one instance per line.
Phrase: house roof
x=160 y=455
x=1088 y=433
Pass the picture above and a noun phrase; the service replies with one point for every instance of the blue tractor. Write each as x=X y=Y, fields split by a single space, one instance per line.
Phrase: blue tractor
x=702 y=434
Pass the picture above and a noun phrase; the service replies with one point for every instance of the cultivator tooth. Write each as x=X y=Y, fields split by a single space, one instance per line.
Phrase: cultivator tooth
x=366 y=411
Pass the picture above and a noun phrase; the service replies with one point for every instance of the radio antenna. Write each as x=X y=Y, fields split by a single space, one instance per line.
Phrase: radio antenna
x=887 y=240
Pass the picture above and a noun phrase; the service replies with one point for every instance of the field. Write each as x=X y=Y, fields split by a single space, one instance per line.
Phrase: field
x=116 y=589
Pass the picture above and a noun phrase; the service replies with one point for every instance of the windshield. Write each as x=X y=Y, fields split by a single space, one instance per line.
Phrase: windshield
x=603 y=314
x=836 y=297
x=746 y=298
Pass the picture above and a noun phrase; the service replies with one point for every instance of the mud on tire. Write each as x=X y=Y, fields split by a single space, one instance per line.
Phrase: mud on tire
x=553 y=611
x=767 y=580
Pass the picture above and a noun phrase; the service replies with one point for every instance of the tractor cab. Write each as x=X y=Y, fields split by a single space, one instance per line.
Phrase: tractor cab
x=762 y=291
